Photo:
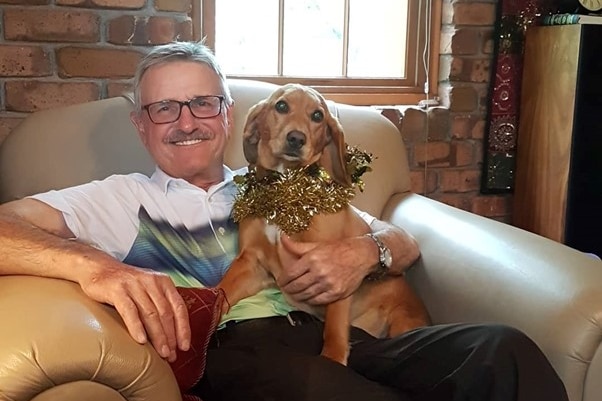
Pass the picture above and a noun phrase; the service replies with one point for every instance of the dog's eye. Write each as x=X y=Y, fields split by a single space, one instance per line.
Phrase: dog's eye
x=281 y=107
x=317 y=116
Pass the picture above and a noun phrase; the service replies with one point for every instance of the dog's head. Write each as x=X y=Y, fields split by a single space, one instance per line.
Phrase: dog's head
x=294 y=128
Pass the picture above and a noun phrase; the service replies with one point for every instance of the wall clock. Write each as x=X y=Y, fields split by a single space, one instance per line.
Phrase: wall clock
x=591 y=5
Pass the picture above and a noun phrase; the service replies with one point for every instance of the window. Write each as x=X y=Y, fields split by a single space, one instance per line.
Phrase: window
x=353 y=51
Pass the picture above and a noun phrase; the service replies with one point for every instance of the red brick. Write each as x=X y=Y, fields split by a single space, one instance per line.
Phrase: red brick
x=418 y=123
x=115 y=89
x=73 y=3
x=438 y=123
x=456 y=68
x=164 y=30
x=461 y=201
x=474 y=13
x=467 y=126
x=480 y=70
x=484 y=96
x=469 y=69
x=393 y=115
x=491 y=206
x=24 y=61
x=174 y=5
x=478 y=131
x=125 y=4
x=96 y=62
x=135 y=30
x=478 y=150
x=413 y=125
x=466 y=41
x=30 y=96
x=51 y=25
x=459 y=180
x=423 y=183
x=461 y=126
x=488 y=41
x=463 y=99
x=26 y=2
x=462 y=153
x=432 y=153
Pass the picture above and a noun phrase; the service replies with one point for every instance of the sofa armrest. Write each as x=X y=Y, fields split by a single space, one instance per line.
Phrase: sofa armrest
x=58 y=344
x=474 y=269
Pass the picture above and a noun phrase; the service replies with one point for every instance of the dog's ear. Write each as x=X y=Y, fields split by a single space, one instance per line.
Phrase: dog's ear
x=335 y=151
x=251 y=131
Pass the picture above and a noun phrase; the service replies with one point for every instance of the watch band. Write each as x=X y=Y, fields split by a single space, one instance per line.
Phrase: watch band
x=384 y=259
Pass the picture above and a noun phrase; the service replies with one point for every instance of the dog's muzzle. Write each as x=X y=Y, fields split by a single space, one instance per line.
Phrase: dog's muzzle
x=295 y=140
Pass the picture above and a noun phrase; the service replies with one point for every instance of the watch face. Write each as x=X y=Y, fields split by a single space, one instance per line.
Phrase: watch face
x=387 y=258
x=591 y=5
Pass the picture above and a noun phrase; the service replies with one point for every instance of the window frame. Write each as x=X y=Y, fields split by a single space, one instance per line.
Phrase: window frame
x=351 y=90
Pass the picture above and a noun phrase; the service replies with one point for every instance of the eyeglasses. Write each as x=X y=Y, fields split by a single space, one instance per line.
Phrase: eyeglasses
x=169 y=111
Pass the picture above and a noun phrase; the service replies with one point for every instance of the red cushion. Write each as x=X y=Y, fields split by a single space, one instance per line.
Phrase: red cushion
x=204 y=306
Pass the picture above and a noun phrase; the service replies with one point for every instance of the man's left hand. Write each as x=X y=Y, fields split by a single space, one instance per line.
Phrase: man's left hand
x=321 y=273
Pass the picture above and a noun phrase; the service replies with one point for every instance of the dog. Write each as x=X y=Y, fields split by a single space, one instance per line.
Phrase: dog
x=292 y=129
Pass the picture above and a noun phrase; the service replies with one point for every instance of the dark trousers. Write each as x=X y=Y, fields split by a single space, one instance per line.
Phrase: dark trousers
x=273 y=360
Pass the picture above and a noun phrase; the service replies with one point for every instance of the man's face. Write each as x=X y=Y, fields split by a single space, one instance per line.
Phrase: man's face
x=190 y=148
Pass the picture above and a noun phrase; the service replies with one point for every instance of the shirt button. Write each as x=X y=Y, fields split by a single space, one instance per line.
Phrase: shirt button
x=221 y=230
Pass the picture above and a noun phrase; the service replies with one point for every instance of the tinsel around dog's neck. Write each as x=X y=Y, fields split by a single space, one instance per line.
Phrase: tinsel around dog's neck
x=290 y=199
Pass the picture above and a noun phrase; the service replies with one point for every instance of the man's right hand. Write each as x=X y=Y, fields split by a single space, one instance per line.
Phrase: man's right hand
x=35 y=240
x=148 y=302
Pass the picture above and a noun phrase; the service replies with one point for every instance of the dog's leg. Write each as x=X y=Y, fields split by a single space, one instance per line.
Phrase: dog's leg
x=244 y=278
x=336 y=331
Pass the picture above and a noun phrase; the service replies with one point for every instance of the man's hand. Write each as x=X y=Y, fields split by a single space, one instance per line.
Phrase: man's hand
x=148 y=302
x=321 y=273
x=37 y=241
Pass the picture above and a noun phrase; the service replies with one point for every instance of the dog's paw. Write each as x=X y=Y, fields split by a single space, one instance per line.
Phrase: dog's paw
x=337 y=354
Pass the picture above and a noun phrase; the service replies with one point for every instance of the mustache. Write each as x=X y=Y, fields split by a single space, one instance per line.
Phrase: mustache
x=179 y=136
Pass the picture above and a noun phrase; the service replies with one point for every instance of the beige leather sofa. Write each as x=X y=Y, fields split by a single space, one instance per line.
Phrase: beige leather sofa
x=55 y=344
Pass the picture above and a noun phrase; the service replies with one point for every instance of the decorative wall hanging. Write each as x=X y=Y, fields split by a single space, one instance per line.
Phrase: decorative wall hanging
x=513 y=19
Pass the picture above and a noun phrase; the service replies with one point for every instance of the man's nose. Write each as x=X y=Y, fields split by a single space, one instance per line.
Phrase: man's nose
x=186 y=118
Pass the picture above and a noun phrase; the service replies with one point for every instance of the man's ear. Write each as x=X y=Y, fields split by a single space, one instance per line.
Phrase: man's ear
x=136 y=119
x=230 y=119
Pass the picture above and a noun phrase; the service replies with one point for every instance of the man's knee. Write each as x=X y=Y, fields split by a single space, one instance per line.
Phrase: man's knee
x=502 y=338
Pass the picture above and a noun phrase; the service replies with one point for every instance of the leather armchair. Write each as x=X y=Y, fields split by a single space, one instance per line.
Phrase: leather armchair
x=55 y=343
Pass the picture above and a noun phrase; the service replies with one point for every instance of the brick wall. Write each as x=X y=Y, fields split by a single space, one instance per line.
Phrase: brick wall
x=456 y=135
x=60 y=52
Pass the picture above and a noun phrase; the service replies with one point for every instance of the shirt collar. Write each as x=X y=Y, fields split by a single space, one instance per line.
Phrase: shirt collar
x=165 y=181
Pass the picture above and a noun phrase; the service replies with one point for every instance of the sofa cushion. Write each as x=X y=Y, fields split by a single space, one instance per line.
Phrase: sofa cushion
x=204 y=306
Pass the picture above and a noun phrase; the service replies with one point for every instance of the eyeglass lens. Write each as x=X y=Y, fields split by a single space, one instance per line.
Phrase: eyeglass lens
x=169 y=111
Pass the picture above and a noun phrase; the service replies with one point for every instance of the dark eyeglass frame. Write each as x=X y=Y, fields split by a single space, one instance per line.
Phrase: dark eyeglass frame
x=221 y=98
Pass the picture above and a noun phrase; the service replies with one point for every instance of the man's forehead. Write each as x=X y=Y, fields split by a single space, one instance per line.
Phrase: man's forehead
x=179 y=80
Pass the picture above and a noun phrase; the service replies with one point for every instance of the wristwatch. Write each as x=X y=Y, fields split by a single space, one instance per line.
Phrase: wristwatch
x=385 y=259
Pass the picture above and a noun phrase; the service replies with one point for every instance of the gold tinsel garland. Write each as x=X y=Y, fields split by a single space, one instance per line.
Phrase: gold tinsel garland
x=290 y=199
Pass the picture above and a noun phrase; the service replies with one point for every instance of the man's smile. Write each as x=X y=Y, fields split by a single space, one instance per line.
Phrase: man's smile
x=188 y=142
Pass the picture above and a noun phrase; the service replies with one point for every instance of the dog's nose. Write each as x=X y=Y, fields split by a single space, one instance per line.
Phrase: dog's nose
x=295 y=140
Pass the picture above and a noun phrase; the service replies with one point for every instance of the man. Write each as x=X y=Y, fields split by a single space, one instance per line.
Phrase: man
x=128 y=239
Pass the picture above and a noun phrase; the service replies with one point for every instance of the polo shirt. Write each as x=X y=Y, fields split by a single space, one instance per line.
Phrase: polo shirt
x=168 y=225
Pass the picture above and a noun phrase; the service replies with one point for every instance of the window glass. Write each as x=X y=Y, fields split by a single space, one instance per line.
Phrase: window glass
x=377 y=38
x=246 y=36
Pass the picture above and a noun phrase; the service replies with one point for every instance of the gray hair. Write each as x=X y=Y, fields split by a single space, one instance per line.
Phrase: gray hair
x=196 y=52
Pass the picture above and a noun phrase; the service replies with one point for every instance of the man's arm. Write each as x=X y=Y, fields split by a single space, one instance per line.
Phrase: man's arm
x=328 y=272
x=35 y=240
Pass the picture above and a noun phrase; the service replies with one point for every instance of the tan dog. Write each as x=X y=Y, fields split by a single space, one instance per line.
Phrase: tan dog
x=291 y=129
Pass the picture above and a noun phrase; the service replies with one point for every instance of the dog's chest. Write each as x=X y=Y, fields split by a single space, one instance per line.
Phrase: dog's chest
x=272 y=232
